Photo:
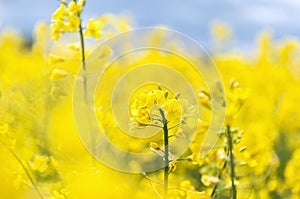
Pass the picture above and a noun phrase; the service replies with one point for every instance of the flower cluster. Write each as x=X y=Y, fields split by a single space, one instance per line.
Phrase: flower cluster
x=145 y=105
x=66 y=18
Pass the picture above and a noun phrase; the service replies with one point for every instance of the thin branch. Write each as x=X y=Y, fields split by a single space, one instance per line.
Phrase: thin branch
x=27 y=173
x=232 y=164
x=212 y=195
x=174 y=126
x=166 y=158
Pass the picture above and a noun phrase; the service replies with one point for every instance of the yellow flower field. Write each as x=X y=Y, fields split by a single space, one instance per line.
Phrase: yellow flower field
x=143 y=132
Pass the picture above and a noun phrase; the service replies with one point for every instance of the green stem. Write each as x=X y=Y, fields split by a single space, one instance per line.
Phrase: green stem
x=166 y=157
x=231 y=159
x=27 y=174
x=83 y=60
x=84 y=77
x=25 y=170
x=212 y=195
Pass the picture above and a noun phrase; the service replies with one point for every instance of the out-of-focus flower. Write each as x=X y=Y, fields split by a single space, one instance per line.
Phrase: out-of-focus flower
x=39 y=163
x=173 y=109
x=59 y=13
x=209 y=180
x=74 y=46
x=53 y=59
x=75 y=8
x=93 y=29
x=73 y=23
x=221 y=31
x=4 y=128
x=58 y=74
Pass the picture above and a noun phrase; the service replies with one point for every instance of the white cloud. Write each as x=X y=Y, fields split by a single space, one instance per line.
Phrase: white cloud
x=263 y=15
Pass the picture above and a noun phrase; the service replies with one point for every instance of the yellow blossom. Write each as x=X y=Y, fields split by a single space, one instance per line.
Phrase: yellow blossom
x=58 y=74
x=12 y=143
x=155 y=97
x=53 y=162
x=105 y=18
x=173 y=110
x=204 y=99
x=39 y=163
x=58 y=28
x=221 y=31
x=93 y=29
x=187 y=185
x=53 y=59
x=146 y=103
x=54 y=91
x=74 y=8
x=105 y=51
x=59 y=13
x=74 y=46
x=57 y=195
x=197 y=195
x=4 y=128
x=209 y=180
x=73 y=23
x=142 y=117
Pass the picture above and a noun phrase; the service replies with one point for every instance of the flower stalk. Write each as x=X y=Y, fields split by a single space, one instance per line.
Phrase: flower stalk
x=84 y=76
x=166 y=157
x=83 y=60
x=27 y=174
x=231 y=159
x=214 y=191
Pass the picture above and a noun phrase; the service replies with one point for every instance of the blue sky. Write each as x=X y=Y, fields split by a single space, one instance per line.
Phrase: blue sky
x=193 y=17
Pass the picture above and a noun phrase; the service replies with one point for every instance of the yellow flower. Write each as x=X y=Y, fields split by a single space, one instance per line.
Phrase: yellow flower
x=4 y=128
x=54 y=91
x=73 y=23
x=173 y=109
x=155 y=97
x=59 y=13
x=106 y=18
x=53 y=59
x=221 y=31
x=123 y=25
x=57 y=195
x=93 y=29
x=53 y=162
x=187 y=185
x=74 y=46
x=204 y=99
x=58 y=74
x=105 y=51
x=58 y=28
x=74 y=8
x=209 y=180
x=142 y=117
x=39 y=163
x=197 y=195
x=12 y=143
